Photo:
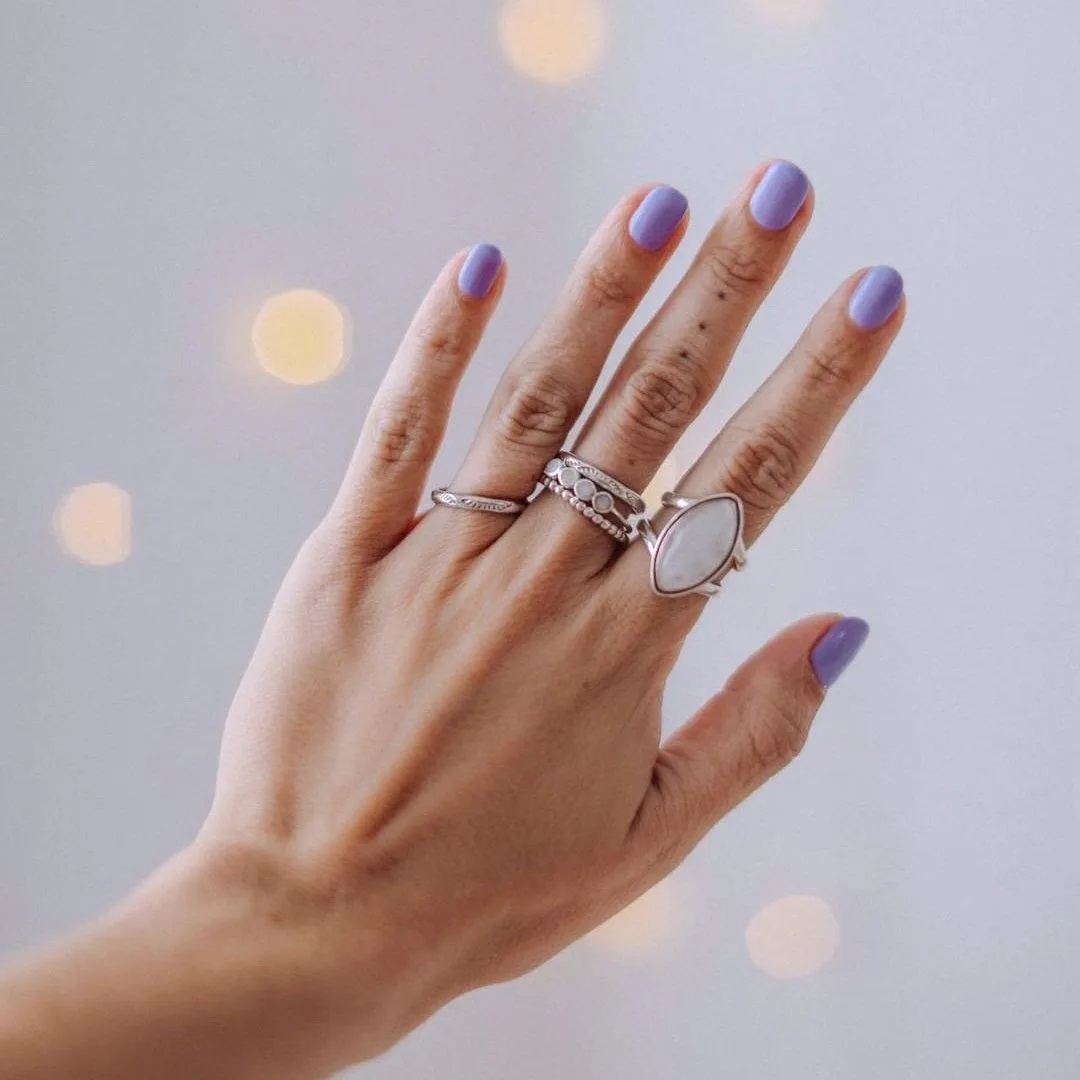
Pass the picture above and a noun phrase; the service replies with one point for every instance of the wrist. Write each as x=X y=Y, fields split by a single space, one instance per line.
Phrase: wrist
x=221 y=964
x=308 y=980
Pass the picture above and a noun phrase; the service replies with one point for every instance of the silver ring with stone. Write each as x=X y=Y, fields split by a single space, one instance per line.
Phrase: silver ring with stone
x=604 y=480
x=615 y=530
x=593 y=494
x=484 y=503
x=694 y=549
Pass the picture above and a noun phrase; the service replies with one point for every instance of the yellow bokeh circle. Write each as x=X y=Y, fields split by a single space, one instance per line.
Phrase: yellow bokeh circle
x=301 y=337
x=650 y=923
x=553 y=41
x=93 y=524
x=665 y=479
x=793 y=937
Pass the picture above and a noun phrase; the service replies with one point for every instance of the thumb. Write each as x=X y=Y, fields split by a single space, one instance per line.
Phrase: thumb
x=746 y=733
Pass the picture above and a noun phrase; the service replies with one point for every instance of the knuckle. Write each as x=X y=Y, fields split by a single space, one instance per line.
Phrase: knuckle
x=764 y=469
x=831 y=367
x=662 y=397
x=736 y=270
x=442 y=344
x=538 y=412
x=608 y=287
x=402 y=432
x=776 y=732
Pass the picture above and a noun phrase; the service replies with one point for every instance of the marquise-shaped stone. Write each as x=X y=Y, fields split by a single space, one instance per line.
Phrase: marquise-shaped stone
x=696 y=544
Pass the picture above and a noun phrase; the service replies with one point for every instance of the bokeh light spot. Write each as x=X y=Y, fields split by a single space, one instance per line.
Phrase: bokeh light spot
x=93 y=524
x=791 y=13
x=793 y=937
x=552 y=41
x=301 y=337
x=652 y=921
x=665 y=479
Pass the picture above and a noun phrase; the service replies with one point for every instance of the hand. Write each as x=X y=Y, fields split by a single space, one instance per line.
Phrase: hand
x=444 y=762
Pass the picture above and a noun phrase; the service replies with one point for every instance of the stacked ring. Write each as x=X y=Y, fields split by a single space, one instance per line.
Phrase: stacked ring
x=593 y=494
x=605 y=480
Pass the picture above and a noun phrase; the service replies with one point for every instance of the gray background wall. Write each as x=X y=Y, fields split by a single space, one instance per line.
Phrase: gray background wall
x=166 y=167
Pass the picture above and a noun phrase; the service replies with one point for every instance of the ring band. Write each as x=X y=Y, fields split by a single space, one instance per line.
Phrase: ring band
x=457 y=501
x=616 y=532
x=598 y=476
x=594 y=494
x=698 y=546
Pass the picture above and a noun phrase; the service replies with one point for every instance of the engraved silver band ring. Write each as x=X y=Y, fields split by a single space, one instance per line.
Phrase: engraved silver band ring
x=485 y=503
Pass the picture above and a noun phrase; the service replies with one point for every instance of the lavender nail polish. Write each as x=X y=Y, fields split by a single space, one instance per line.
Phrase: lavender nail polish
x=779 y=196
x=876 y=298
x=656 y=219
x=837 y=648
x=479 y=271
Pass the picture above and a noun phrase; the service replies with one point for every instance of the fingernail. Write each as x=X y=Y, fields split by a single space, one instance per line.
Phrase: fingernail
x=656 y=219
x=877 y=297
x=479 y=271
x=779 y=195
x=837 y=648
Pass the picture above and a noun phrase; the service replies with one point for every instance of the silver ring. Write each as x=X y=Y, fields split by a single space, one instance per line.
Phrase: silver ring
x=477 y=502
x=594 y=494
x=698 y=546
x=605 y=480
x=615 y=531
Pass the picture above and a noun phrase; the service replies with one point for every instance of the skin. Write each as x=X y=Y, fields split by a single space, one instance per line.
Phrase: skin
x=444 y=763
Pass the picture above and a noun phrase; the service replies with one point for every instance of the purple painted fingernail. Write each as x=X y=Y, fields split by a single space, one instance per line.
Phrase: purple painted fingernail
x=877 y=297
x=779 y=195
x=657 y=218
x=837 y=648
x=479 y=271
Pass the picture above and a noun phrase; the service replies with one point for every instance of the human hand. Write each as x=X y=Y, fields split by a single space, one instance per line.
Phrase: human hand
x=456 y=721
x=444 y=762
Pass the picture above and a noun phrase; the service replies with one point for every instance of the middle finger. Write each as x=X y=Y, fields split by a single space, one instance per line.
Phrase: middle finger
x=675 y=365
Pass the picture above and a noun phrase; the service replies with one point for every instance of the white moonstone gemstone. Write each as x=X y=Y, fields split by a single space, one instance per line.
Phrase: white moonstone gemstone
x=568 y=476
x=584 y=489
x=696 y=545
x=552 y=467
x=603 y=502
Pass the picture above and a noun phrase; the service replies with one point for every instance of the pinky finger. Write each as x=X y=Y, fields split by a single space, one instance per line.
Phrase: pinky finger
x=747 y=733
x=407 y=420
